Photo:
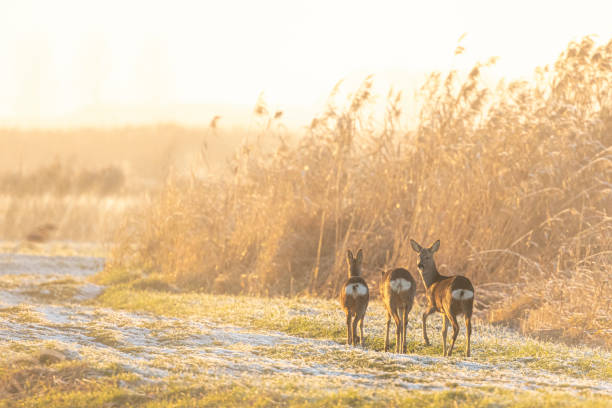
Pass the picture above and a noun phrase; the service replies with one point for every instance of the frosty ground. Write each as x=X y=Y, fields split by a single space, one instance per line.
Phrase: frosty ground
x=71 y=338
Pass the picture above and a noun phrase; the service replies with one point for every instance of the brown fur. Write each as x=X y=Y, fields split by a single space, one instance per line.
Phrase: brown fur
x=354 y=306
x=439 y=297
x=398 y=305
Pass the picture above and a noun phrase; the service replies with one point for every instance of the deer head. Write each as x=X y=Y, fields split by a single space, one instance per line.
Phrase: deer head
x=426 y=263
x=354 y=263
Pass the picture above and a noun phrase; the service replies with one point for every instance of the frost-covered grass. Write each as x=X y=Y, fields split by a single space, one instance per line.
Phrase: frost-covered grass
x=323 y=319
x=121 y=389
x=153 y=348
x=28 y=383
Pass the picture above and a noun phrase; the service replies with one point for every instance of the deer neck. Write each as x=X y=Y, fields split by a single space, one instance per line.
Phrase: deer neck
x=430 y=275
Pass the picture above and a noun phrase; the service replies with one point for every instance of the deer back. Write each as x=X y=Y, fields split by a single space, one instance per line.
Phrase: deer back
x=355 y=294
x=448 y=293
x=398 y=288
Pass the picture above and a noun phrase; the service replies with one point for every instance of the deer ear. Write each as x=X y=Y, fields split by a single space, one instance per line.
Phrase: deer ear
x=359 y=256
x=349 y=257
x=415 y=246
x=435 y=246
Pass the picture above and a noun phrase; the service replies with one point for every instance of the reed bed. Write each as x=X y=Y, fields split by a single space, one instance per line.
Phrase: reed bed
x=515 y=180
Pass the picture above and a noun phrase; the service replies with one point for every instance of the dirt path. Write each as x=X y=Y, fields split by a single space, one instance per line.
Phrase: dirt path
x=43 y=300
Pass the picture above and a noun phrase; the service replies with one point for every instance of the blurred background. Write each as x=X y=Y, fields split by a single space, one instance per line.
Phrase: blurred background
x=116 y=63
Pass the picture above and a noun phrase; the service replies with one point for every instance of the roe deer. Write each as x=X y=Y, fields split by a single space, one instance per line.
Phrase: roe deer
x=397 y=291
x=354 y=298
x=449 y=295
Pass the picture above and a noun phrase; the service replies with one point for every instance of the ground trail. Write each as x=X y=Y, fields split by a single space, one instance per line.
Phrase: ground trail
x=44 y=303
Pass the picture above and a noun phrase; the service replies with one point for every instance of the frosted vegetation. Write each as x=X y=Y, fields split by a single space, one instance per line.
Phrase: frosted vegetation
x=66 y=340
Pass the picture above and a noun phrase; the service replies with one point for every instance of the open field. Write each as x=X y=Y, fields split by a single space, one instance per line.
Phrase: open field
x=169 y=266
x=68 y=342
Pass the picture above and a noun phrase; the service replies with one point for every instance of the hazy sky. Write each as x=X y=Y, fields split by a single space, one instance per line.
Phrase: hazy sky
x=70 y=62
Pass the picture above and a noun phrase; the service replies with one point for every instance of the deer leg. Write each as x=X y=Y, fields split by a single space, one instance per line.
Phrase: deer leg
x=468 y=331
x=444 y=331
x=408 y=308
x=401 y=330
x=398 y=331
x=355 y=337
x=349 y=338
x=361 y=330
x=425 y=315
x=387 y=335
x=455 y=333
x=405 y=327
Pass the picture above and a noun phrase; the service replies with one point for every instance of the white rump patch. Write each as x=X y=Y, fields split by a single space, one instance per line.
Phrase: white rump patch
x=400 y=285
x=356 y=289
x=462 y=294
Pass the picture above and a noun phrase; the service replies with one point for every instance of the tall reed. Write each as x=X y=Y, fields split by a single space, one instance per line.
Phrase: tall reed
x=515 y=180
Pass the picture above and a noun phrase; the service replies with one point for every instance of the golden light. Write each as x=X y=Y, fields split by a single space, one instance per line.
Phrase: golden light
x=71 y=63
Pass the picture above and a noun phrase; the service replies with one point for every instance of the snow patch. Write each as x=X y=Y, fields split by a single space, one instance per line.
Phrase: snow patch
x=74 y=266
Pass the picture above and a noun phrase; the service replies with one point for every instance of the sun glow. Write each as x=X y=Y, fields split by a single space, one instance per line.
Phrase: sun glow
x=69 y=62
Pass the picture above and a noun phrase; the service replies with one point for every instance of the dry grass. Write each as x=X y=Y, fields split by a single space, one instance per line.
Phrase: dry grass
x=82 y=181
x=515 y=181
x=44 y=371
x=87 y=218
x=58 y=179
